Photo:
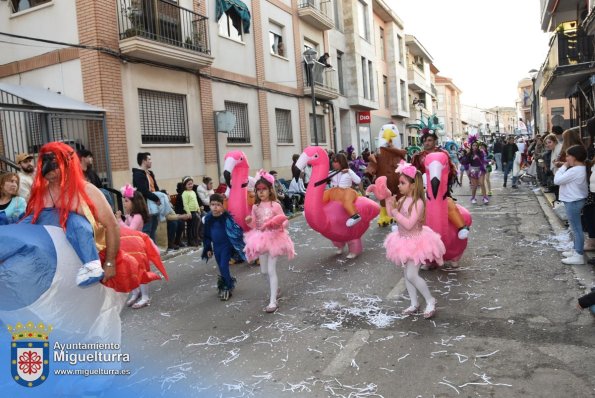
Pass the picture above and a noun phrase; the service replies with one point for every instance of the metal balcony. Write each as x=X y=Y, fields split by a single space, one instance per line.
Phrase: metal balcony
x=325 y=82
x=569 y=60
x=160 y=31
x=316 y=13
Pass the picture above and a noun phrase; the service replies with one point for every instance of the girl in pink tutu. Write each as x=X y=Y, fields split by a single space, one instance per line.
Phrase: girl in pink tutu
x=268 y=238
x=413 y=243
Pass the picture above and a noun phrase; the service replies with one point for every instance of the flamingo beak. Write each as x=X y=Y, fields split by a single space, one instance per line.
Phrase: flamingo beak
x=228 y=167
x=435 y=169
x=302 y=162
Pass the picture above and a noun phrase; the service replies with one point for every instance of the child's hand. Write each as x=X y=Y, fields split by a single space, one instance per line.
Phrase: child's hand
x=209 y=254
x=248 y=219
x=186 y=216
x=118 y=215
x=345 y=171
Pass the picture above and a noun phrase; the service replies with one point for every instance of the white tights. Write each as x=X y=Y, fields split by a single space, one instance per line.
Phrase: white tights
x=268 y=265
x=143 y=291
x=416 y=283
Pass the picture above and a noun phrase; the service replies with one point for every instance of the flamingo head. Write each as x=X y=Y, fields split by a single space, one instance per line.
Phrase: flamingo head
x=437 y=168
x=234 y=160
x=312 y=155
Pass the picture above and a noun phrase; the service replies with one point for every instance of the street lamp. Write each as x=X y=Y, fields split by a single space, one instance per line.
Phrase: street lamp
x=310 y=59
x=533 y=73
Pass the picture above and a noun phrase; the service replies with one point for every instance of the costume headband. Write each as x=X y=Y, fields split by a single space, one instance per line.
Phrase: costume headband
x=263 y=174
x=128 y=191
x=406 y=168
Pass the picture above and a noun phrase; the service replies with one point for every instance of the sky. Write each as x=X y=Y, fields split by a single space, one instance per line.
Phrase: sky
x=485 y=46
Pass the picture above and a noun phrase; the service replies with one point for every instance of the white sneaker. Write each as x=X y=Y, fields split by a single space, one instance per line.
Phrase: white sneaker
x=569 y=253
x=339 y=251
x=89 y=273
x=351 y=221
x=473 y=201
x=577 y=259
x=351 y=255
x=463 y=233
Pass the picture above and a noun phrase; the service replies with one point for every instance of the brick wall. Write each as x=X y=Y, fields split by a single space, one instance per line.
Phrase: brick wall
x=102 y=75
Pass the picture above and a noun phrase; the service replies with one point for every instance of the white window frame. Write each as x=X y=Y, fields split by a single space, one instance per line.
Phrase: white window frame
x=276 y=37
x=284 y=129
x=227 y=30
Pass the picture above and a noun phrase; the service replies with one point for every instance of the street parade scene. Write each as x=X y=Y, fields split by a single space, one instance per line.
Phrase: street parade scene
x=354 y=209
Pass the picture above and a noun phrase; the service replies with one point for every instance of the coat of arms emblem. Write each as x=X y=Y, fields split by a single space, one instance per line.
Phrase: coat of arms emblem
x=29 y=353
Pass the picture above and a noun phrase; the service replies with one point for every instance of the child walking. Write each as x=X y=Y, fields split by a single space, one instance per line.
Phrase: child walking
x=222 y=236
x=572 y=179
x=136 y=215
x=413 y=244
x=342 y=179
x=268 y=238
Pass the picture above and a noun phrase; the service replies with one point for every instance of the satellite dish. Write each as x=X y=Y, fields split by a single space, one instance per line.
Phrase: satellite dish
x=225 y=121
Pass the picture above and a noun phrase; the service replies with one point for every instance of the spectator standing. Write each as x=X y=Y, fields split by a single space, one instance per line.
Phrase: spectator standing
x=191 y=206
x=508 y=153
x=144 y=181
x=497 y=150
x=324 y=60
x=86 y=158
x=204 y=191
x=572 y=179
x=26 y=174
x=558 y=131
x=12 y=206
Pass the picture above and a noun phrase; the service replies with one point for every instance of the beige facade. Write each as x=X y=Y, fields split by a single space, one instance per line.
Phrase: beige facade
x=208 y=66
x=449 y=108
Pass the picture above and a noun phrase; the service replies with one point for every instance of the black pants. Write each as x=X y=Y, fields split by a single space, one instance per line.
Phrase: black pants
x=193 y=229
x=589 y=220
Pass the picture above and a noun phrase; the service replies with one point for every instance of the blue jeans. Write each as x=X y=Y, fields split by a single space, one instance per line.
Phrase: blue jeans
x=498 y=159
x=150 y=228
x=573 y=211
x=507 y=168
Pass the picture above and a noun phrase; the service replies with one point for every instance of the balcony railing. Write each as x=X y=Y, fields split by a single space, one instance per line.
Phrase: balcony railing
x=164 y=22
x=568 y=48
x=325 y=81
x=317 y=13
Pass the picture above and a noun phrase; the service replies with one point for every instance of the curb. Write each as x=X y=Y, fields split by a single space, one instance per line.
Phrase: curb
x=583 y=273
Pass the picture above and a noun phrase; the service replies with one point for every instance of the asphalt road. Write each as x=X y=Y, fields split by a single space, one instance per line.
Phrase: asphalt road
x=506 y=324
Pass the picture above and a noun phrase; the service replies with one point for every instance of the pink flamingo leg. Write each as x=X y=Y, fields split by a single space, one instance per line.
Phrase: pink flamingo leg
x=355 y=246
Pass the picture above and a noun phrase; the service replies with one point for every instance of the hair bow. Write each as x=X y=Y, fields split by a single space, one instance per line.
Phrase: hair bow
x=263 y=174
x=128 y=191
x=406 y=168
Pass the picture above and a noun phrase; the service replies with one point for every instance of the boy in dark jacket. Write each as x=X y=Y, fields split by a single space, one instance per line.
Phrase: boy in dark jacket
x=222 y=236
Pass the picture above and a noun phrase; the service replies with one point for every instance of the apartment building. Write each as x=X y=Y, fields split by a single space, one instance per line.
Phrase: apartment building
x=568 y=72
x=449 y=108
x=419 y=84
x=391 y=72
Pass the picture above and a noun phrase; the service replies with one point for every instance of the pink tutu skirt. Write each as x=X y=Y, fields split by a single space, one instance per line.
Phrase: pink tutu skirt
x=422 y=248
x=275 y=243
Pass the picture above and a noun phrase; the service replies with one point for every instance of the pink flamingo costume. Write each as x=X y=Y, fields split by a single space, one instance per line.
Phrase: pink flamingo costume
x=236 y=170
x=329 y=219
x=437 y=168
x=268 y=233
x=412 y=241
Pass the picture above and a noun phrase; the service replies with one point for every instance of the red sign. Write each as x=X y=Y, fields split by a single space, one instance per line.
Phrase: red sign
x=364 y=117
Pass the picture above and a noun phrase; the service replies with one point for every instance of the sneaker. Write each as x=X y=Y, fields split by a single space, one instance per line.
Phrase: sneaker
x=577 y=259
x=473 y=201
x=591 y=261
x=504 y=185
x=490 y=193
x=339 y=251
x=568 y=253
x=225 y=295
x=354 y=219
x=463 y=233
x=515 y=187
x=485 y=200
x=351 y=256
